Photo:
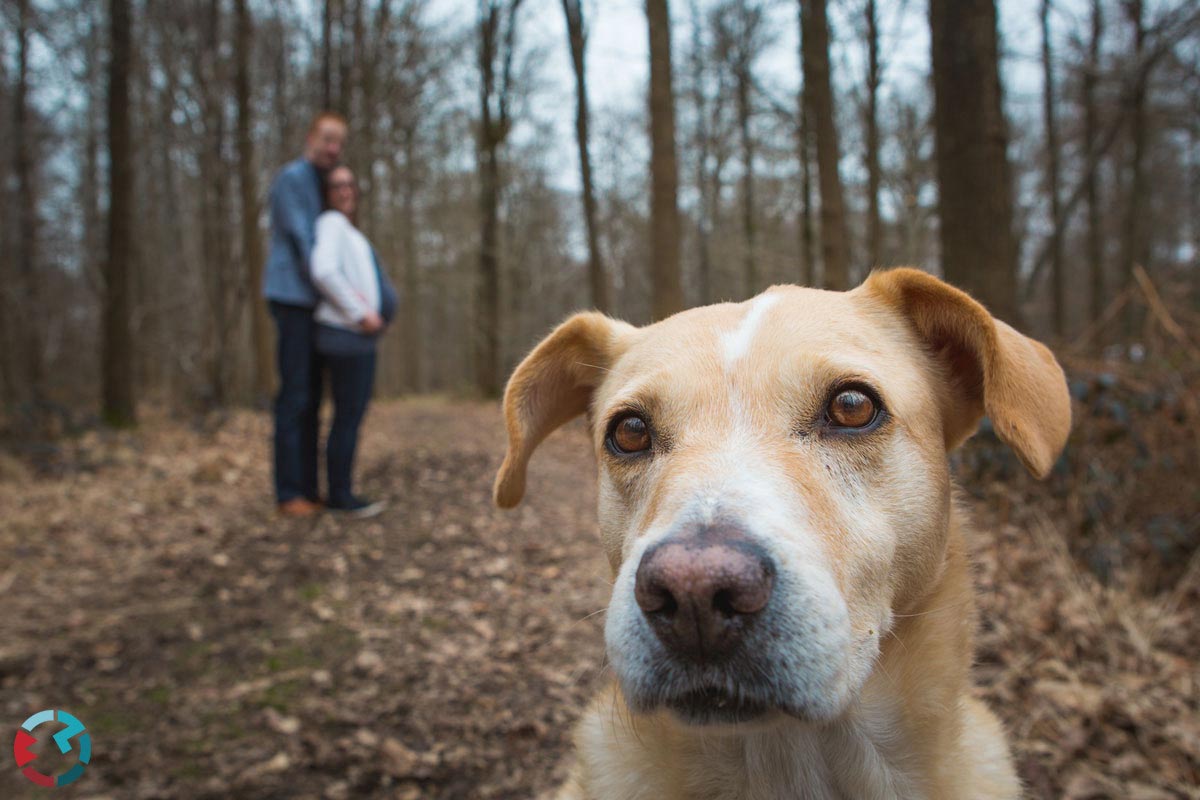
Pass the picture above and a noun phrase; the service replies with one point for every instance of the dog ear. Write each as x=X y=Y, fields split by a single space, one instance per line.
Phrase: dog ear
x=552 y=386
x=992 y=369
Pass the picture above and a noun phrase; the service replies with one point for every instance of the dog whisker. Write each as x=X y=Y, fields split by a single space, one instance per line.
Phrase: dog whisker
x=592 y=366
x=933 y=610
x=593 y=614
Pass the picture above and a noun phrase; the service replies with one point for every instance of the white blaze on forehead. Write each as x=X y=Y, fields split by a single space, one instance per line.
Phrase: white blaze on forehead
x=737 y=341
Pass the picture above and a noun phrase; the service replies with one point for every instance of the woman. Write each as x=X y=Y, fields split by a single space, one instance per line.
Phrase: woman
x=357 y=303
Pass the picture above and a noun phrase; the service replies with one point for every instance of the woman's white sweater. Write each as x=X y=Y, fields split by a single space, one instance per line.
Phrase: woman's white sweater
x=343 y=270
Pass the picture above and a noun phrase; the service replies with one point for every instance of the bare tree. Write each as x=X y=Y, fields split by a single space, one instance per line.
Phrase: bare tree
x=327 y=9
x=818 y=93
x=252 y=257
x=702 y=137
x=1194 y=170
x=975 y=187
x=117 y=355
x=1135 y=249
x=220 y=283
x=497 y=27
x=1091 y=132
x=577 y=39
x=350 y=35
x=8 y=295
x=32 y=377
x=1058 y=269
x=739 y=38
x=410 y=258
x=664 y=169
x=369 y=52
x=804 y=148
x=90 y=180
x=874 y=172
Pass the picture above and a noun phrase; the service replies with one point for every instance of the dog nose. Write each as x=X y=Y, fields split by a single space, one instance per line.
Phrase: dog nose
x=700 y=592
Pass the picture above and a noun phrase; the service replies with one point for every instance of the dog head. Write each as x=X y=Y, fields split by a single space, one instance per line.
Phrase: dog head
x=774 y=485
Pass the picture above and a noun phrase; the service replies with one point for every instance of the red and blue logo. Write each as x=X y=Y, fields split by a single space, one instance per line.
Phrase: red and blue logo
x=74 y=730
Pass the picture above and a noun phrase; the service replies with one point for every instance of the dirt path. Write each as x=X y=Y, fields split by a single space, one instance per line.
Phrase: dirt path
x=439 y=651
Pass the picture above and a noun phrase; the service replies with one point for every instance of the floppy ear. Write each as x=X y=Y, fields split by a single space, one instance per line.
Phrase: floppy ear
x=991 y=368
x=553 y=385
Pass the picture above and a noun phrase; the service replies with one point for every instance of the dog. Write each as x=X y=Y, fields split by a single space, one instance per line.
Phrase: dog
x=792 y=610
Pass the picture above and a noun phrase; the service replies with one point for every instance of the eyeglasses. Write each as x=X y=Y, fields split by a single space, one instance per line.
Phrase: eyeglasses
x=342 y=185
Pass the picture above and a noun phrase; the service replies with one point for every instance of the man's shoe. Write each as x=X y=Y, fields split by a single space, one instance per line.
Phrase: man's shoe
x=299 y=507
x=359 y=508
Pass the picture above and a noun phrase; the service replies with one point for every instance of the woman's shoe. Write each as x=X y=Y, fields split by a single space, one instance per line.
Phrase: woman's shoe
x=359 y=508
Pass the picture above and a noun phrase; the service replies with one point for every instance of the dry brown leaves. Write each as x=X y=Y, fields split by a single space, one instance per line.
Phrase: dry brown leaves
x=444 y=649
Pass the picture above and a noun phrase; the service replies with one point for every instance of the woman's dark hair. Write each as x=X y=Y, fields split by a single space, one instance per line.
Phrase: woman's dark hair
x=326 y=187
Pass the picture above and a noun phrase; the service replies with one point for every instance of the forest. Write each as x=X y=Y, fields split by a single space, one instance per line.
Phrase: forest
x=519 y=160
x=143 y=139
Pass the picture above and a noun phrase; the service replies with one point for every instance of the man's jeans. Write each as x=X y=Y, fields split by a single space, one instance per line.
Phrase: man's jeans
x=297 y=406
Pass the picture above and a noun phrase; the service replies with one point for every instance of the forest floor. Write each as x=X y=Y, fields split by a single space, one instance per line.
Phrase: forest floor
x=444 y=649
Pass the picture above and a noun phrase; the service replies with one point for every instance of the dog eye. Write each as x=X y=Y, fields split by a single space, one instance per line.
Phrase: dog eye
x=630 y=435
x=851 y=408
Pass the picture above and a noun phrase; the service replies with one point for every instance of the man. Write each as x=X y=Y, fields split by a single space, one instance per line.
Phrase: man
x=296 y=202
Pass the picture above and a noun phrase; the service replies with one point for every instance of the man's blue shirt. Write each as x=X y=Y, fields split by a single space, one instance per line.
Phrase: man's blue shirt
x=295 y=203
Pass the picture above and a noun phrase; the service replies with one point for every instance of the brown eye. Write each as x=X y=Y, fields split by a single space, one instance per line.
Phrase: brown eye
x=851 y=409
x=630 y=435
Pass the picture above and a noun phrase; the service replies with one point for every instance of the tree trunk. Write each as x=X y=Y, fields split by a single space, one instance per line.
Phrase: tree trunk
x=117 y=354
x=808 y=228
x=975 y=187
x=808 y=237
x=214 y=245
x=1136 y=249
x=368 y=203
x=497 y=45
x=1058 y=273
x=1194 y=177
x=90 y=180
x=577 y=38
x=1136 y=243
x=282 y=107
x=30 y=387
x=8 y=300
x=327 y=55
x=819 y=95
x=1091 y=131
x=744 y=87
x=702 y=142
x=874 y=222
x=410 y=265
x=172 y=225
x=666 y=282
x=252 y=257
x=487 y=301
x=347 y=53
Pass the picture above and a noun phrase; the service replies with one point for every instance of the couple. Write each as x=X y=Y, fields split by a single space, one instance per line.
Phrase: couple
x=331 y=301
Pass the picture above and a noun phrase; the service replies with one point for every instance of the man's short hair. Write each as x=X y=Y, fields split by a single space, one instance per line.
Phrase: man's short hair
x=327 y=116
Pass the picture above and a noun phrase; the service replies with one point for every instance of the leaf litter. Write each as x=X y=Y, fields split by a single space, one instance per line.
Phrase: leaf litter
x=444 y=649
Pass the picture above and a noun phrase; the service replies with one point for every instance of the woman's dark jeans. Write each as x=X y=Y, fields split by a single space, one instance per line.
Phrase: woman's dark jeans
x=351 y=377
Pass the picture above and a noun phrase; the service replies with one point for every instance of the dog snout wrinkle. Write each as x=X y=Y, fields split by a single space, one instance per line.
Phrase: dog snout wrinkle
x=700 y=592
